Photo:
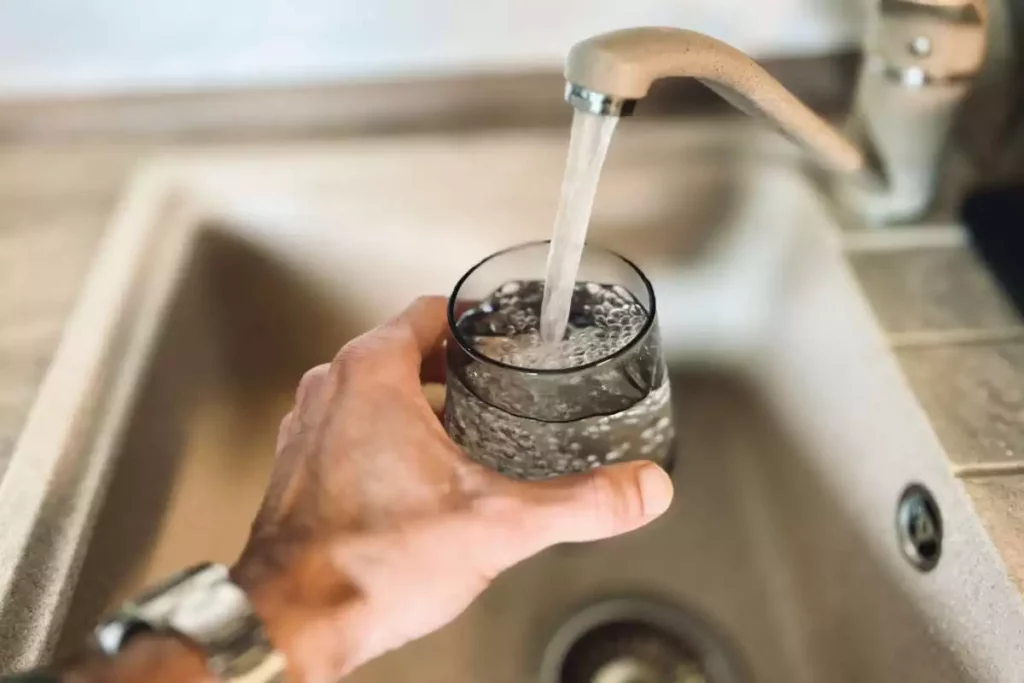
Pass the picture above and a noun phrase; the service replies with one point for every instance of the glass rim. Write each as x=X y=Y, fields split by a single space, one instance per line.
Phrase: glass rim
x=476 y=355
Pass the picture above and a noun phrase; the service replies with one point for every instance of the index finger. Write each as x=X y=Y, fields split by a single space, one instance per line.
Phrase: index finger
x=409 y=338
x=434 y=367
x=426 y=321
x=410 y=342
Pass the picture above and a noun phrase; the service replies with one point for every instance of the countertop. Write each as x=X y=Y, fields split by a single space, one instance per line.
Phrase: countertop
x=62 y=166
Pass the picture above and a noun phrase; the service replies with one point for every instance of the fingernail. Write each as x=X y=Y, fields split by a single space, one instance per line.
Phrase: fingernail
x=656 y=489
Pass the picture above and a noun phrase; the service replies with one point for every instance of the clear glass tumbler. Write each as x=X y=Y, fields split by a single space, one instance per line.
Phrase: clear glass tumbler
x=533 y=410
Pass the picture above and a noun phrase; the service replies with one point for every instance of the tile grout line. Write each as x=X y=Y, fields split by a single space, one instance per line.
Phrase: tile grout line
x=936 y=236
x=955 y=337
x=965 y=337
x=987 y=469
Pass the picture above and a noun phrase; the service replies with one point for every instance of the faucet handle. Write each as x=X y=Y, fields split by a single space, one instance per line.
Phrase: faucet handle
x=917 y=42
x=921 y=58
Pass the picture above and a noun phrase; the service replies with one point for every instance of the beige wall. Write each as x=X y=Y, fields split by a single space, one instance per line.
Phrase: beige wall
x=110 y=45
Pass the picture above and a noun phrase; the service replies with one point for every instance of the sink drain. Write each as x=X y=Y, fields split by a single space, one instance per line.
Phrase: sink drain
x=630 y=652
x=631 y=640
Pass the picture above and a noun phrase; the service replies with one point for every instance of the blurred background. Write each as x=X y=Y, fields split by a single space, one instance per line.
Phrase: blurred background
x=107 y=46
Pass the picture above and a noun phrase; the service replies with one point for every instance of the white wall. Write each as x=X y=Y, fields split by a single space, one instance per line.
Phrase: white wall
x=49 y=46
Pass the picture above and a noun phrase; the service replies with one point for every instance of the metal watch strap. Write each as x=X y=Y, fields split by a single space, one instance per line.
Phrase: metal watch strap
x=203 y=605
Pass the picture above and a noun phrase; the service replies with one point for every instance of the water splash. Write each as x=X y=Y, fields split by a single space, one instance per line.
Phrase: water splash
x=588 y=146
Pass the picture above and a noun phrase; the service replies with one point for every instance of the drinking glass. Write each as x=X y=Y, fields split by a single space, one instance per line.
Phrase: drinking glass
x=534 y=410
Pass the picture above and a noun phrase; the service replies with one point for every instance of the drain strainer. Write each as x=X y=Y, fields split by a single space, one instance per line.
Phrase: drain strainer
x=630 y=652
x=633 y=640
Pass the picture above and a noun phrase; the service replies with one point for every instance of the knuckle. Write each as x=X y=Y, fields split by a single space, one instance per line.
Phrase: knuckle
x=488 y=496
x=284 y=429
x=311 y=382
x=422 y=301
x=510 y=527
x=497 y=508
x=423 y=305
x=617 y=496
x=358 y=355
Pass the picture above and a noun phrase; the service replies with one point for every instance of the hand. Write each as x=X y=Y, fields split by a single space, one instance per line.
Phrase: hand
x=377 y=529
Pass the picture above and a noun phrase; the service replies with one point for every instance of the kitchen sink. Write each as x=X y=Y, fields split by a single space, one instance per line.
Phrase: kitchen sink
x=226 y=274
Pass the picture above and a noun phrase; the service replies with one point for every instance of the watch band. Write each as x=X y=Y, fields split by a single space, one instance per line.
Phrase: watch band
x=203 y=605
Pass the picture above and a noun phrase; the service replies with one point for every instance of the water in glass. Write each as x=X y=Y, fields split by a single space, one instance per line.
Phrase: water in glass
x=533 y=409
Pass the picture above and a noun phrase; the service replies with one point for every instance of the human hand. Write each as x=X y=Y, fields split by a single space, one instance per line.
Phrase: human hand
x=377 y=529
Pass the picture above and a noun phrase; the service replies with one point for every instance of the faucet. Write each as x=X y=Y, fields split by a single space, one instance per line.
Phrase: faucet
x=920 y=59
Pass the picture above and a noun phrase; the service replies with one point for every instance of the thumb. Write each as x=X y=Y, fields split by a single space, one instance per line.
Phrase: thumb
x=604 y=502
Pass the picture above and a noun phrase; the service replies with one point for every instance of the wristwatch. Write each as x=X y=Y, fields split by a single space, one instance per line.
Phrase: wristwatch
x=204 y=606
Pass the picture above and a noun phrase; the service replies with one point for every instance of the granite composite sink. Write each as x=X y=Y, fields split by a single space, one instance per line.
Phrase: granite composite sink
x=225 y=275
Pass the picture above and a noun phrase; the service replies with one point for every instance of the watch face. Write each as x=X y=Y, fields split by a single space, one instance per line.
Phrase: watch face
x=204 y=606
x=210 y=612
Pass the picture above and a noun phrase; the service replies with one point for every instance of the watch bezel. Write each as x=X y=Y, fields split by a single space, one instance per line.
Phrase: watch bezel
x=230 y=634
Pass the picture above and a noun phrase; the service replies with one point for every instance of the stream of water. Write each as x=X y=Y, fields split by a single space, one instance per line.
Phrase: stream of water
x=588 y=145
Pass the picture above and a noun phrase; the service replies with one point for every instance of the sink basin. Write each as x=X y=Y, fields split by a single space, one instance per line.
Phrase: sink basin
x=225 y=275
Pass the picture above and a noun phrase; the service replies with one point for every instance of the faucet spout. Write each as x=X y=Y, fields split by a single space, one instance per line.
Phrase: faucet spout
x=607 y=73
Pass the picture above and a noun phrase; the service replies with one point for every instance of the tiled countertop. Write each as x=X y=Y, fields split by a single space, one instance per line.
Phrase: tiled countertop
x=961 y=346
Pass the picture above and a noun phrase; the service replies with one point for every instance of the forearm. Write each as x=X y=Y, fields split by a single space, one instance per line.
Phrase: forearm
x=149 y=658
x=146 y=659
x=157 y=658
x=316 y=642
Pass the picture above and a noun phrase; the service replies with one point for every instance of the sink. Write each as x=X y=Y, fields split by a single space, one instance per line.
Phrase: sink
x=226 y=274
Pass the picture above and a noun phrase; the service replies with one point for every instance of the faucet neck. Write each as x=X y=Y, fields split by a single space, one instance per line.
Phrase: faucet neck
x=621 y=65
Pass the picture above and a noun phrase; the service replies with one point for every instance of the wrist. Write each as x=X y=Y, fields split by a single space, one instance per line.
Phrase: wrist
x=160 y=657
x=309 y=614
x=200 y=623
x=148 y=658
